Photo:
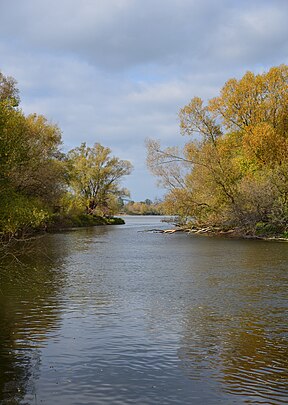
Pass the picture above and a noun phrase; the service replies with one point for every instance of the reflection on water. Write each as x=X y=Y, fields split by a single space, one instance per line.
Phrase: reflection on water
x=113 y=315
x=239 y=335
x=29 y=311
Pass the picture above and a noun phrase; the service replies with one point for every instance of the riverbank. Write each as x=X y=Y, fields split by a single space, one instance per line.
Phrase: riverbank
x=58 y=223
x=64 y=222
x=236 y=233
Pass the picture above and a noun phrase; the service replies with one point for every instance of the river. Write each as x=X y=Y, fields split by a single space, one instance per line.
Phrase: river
x=118 y=315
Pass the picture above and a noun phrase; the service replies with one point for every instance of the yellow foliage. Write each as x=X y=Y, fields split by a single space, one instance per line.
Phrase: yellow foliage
x=237 y=161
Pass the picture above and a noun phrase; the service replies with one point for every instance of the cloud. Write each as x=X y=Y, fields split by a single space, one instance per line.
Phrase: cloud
x=121 y=34
x=118 y=71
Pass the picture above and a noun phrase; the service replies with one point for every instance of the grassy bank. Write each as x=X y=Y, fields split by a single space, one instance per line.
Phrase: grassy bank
x=60 y=222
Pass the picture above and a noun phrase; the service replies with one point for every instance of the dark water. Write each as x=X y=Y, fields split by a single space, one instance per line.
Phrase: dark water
x=111 y=315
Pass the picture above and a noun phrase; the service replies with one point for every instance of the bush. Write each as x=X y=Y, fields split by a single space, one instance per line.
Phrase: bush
x=264 y=228
x=115 y=221
x=20 y=214
x=60 y=221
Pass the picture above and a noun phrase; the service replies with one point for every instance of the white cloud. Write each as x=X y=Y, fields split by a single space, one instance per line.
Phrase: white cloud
x=118 y=71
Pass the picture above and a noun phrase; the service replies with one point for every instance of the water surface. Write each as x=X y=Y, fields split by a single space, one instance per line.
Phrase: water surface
x=118 y=315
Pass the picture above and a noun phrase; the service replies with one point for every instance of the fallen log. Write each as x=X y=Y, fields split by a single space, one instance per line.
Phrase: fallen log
x=164 y=230
x=153 y=230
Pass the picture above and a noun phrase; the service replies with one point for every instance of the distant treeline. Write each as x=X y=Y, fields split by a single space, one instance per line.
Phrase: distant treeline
x=39 y=184
x=233 y=172
x=146 y=207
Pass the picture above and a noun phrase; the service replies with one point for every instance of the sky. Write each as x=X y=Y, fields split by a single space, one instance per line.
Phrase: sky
x=118 y=71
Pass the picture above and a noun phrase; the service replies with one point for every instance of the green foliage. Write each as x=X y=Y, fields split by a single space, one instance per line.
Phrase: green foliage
x=114 y=221
x=39 y=185
x=146 y=207
x=263 y=228
x=68 y=221
x=20 y=214
x=40 y=172
x=31 y=174
x=94 y=178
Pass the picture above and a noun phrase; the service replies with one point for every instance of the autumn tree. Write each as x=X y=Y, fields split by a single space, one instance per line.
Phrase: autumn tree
x=94 y=178
x=31 y=176
x=146 y=207
x=237 y=156
x=9 y=93
x=255 y=109
x=42 y=169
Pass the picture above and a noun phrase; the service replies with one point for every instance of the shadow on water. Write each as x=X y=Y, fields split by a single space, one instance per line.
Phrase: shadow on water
x=32 y=280
x=30 y=291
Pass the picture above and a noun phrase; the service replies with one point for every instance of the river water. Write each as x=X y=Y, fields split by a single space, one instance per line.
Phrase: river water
x=118 y=315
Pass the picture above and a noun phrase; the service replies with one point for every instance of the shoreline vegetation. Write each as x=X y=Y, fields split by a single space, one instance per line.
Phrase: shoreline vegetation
x=218 y=232
x=44 y=189
x=61 y=222
x=230 y=179
x=57 y=224
x=214 y=231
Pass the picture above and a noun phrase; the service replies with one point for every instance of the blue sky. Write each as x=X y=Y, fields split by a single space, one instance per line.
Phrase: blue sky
x=118 y=71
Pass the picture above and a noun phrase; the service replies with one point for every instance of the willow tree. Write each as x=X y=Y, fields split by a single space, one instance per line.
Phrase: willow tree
x=94 y=178
x=237 y=154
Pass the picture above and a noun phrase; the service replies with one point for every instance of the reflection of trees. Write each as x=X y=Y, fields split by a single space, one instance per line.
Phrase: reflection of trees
x=29 y=308
x=239 y=337
x=248 y=359
x=255 y=363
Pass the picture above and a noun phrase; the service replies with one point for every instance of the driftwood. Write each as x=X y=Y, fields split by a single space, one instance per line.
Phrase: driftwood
x=163 y=230
x=210 y=230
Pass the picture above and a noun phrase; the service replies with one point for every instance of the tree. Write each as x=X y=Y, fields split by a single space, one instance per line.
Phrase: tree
x=237 y=159
x=8 y=91
x=41 y=172
x=31 y=173
x=167 y=164
x=94 y=177
x=146 y=207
